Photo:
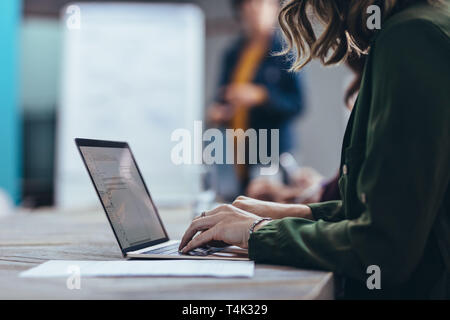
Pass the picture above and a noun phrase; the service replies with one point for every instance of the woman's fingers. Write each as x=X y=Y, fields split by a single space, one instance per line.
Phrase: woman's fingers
x=209 y=221
x=241 y=204
x=197 y=225
x=201 y=239
x=216 y=210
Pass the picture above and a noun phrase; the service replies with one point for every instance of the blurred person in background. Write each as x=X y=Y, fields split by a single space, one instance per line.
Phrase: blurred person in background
x=308 y=185
x=256 y=90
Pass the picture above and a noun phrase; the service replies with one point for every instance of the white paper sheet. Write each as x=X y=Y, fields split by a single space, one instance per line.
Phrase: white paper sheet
x=166 y=268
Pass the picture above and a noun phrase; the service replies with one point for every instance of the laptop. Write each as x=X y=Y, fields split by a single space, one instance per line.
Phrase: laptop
x=130 y=210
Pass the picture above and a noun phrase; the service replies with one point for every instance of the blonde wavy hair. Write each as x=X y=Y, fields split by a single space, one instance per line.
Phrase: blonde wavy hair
x=345 y=28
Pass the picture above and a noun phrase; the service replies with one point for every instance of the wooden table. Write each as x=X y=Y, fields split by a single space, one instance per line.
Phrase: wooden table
x=30 y=238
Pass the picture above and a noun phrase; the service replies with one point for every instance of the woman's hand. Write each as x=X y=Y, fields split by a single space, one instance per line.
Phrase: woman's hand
x=225 y=223
x=272 y=209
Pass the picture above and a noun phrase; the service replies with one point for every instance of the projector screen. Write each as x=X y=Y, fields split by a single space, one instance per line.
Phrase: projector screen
x=131 y=72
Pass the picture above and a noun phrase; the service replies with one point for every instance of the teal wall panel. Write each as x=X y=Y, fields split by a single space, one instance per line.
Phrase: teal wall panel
x=10 y=159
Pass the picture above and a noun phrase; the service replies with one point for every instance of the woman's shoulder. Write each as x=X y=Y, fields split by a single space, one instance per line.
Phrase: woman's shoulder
x=417 y=21
x=410 y=58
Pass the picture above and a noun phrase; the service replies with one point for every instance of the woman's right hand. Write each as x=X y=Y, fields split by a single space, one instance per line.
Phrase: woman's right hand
x=272 y=210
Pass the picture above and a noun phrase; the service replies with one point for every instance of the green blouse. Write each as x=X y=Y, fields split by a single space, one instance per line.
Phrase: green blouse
x=395 y=173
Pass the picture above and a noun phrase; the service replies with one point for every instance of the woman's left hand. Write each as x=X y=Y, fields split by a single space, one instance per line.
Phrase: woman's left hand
x=225 y=223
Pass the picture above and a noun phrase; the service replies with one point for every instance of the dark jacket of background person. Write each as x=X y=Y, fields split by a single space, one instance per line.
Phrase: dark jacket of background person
x=284 y=91
x=394 y=177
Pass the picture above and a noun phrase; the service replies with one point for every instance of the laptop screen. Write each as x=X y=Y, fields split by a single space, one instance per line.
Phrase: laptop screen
x=124 y=195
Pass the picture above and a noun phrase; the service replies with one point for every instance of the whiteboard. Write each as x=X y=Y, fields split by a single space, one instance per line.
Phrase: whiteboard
x=131 y=72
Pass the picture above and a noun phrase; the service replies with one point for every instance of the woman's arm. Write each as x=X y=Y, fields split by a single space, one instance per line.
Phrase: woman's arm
x=272 y=209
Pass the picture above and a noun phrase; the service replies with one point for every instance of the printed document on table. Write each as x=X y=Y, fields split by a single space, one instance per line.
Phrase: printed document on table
x=148 y=268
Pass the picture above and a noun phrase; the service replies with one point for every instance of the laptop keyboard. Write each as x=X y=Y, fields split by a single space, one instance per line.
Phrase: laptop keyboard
x=172 y=250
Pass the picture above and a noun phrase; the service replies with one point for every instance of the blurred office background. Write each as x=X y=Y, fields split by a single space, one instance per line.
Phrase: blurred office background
x=30 y=86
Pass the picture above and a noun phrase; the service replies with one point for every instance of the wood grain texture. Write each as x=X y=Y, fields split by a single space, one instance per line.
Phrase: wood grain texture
x=28 y=239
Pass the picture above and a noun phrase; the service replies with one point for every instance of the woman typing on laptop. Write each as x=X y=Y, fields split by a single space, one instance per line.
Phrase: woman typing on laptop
x=394 y=177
